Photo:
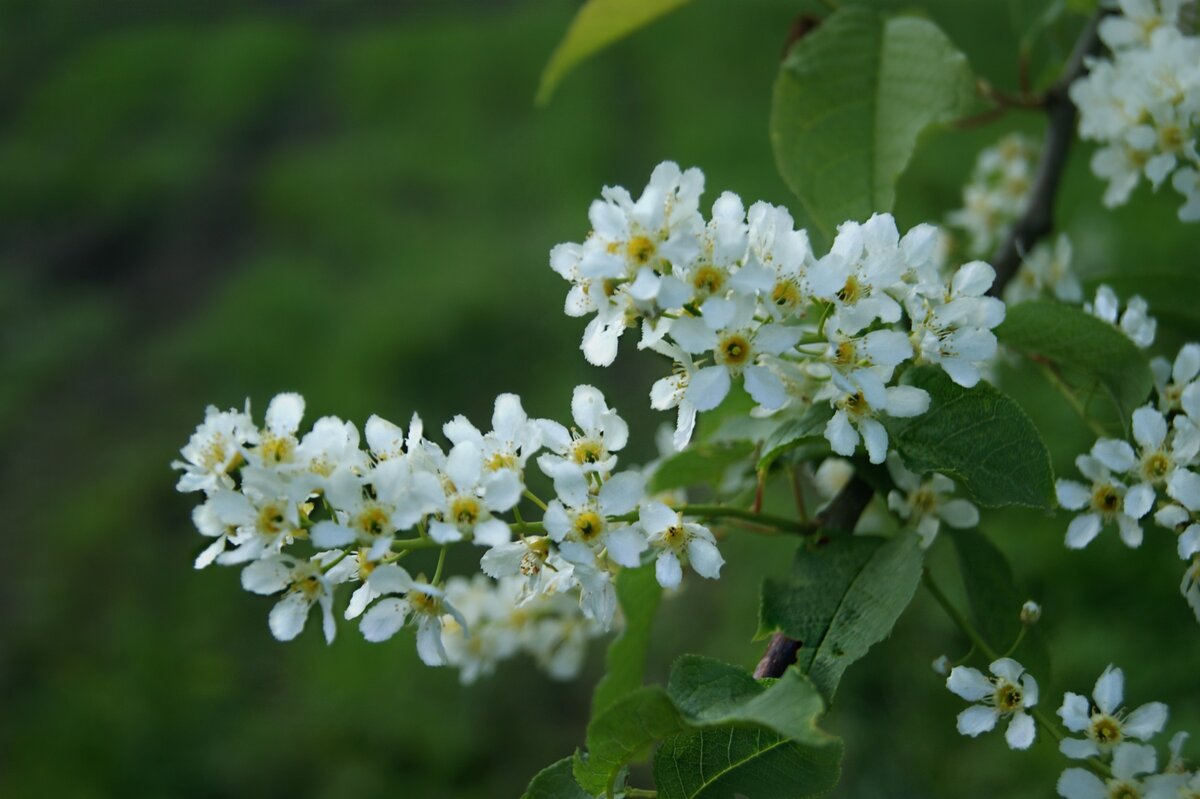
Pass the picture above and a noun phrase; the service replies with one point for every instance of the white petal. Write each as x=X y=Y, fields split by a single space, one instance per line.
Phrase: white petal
x=842 y=437
x=556 y=521
x=384 y=619
x=1109 y=690
x=501 y=490
x=621 y=493
x=969 y=683
x=1149 y=427
x=704 y=557
x=1077 y=783
x=288 y=616
x=655 y=517
x=1184 y=488
x=905 y=401
x=1072 y=495
x=959 y=513
x=1130 y=531
x=875 y=439
x=1078 y=748
x=1189 y=542
x=1020 y=731
x=267 y=576
x=977 y=719
x=1147 y=721
x=625 y=546
x=1139 y=500
x=464 y=465
x=693 y=335
x=667 y=569
x=1130 y=760
x=1082 y=530
x=492 y=533
x=765 y=388
x=776 y=339
x=331 y=535
x=1114 y=454
x=429 y=643
x=444 y=532
x=284 y=413
x=1007 y=668
x=390 y=578
x=1074 y=712
x=708 y=387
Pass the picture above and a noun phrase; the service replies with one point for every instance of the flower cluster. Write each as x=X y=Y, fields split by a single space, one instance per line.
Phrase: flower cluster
x=996 y=193
x=361 y=510
x=1143 y=104
x=742 y=298
x=1046 y=271
x=1161 y=464
x=1135 y=321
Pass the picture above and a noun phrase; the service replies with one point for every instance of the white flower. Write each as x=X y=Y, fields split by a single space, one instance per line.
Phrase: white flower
x=857 y=399
x=1190 y=587
x=924 y=504
x=1137 y=21
x=215 y=449
x=1186 y=181
x=1031 y=612
x=578 y=516
x=721 y=266
x=1104 y=722
x=276 y=445
x=304 y=583
x=671 y=392
x=679 y=541
x=1129 y=762
x=996 y=193
x=954 y=330
x=1172 y=380
x=865 y=261
x=530 y=561
x=592 y=445
x=1007 y=693
x=741 y=347
x=775 y=243
x=472 y=496
x=1106 y=502
x=1046 y=271
x=513 y=439
x=420 y=602
x=264 y=516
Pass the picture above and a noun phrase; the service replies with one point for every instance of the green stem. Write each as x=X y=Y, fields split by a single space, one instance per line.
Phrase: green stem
x=1037 y=711
x=437 y=574
x=641 y=792
x=532 y=497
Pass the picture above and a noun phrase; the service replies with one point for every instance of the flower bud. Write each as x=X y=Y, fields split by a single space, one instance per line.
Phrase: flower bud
x=1030 y=613
x=941 y=665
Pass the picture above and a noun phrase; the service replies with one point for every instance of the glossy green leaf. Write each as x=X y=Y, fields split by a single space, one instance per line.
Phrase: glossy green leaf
x=840 y=600
x=850 y=102
x=703 y=694
x=639 y=593
x=598 y=24
x=1087 y=351
x=700 y=464
x=980 y=437
x=556 y=782
x=996 y=601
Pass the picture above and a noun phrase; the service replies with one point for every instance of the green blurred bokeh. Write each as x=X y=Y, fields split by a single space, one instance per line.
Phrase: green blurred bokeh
x=356 y=201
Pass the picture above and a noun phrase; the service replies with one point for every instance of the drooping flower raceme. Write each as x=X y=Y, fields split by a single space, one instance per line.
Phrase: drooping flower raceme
x=740 y=299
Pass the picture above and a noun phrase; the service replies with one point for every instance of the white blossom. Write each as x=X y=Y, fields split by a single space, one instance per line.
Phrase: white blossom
x=1006 y=694
x=1103 y=721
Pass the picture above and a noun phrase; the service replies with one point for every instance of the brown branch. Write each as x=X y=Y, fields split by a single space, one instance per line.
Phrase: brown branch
x=1037 y=220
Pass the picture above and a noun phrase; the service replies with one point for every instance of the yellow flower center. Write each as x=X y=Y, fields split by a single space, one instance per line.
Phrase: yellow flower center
x=1106 y=499
x=640 y=249
x=587 y=450
x=272 y=519
x=464 y=511
x=1105 y=729
x=850 y=292
x=734 y=350
x=1122 y=790
x=708 y=279
x=501 y=460
x=372 y=521
x=588 y=525
x=1155 y=466
x=275 y=449
x=786 y=294
x=1008 y=697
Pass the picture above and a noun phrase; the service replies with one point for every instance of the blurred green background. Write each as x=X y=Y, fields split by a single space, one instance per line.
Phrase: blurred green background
x=356 y=201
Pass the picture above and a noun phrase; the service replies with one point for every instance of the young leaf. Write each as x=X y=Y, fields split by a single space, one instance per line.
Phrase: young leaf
x=850 y=101
x=704 y=694
x=981 y=438
x=639 y=593
x=794 y=433
x=700 y=464
x=598 y=24
x=556 y=782
x=1083 y=347
x=996 y=601
x=840 y=600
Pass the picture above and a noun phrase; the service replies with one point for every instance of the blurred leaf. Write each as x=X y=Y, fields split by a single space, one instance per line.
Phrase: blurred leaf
x=850 y=102
x=1084 y=348
x=598 y=24
x=639 y=593
x=841 y=599
x=980 y=437
x=556 y=782
x=996 y=601
x=705 y=693
x=794 y=433
x=700 y=464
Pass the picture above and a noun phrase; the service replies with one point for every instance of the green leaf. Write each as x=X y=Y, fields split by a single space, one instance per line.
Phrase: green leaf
x=851 y=100
x=704 y=694
x=700 y=464
x=1086 y=350
x=743 y=761
x=598 y=24
x=996 y=601
x=841 y=599
x=980 y=437
x=556 y=782
x=639 y=593
x=794 y=433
